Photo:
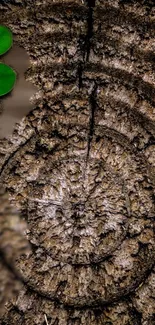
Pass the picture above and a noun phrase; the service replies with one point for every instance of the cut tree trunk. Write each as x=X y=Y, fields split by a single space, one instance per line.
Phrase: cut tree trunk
x=79 y=168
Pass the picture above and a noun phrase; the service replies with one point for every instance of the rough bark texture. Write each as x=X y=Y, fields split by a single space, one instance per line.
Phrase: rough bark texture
x=80 y=167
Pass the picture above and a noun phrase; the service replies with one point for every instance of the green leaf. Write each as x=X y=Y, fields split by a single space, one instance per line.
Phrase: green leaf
x=7 y=79
x=6 y=39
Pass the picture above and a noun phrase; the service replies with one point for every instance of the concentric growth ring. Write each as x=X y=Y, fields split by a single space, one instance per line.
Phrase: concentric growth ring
x=82 y=211
x=83 y=181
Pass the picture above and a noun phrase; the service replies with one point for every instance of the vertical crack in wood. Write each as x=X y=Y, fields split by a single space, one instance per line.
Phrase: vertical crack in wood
x=80 y=71
x=93 y=104
x=87 y=43
x=89 y=33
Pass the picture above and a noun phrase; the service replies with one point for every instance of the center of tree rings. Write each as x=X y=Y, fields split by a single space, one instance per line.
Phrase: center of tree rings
x=86 y=217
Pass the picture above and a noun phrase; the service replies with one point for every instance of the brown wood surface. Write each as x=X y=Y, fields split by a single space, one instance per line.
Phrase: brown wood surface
x=79 y=168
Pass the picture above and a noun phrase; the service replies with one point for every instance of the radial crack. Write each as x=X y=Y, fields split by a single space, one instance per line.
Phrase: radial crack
x=91 y=4
x=80 y=71
x=93 y=104
x=87 y=41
